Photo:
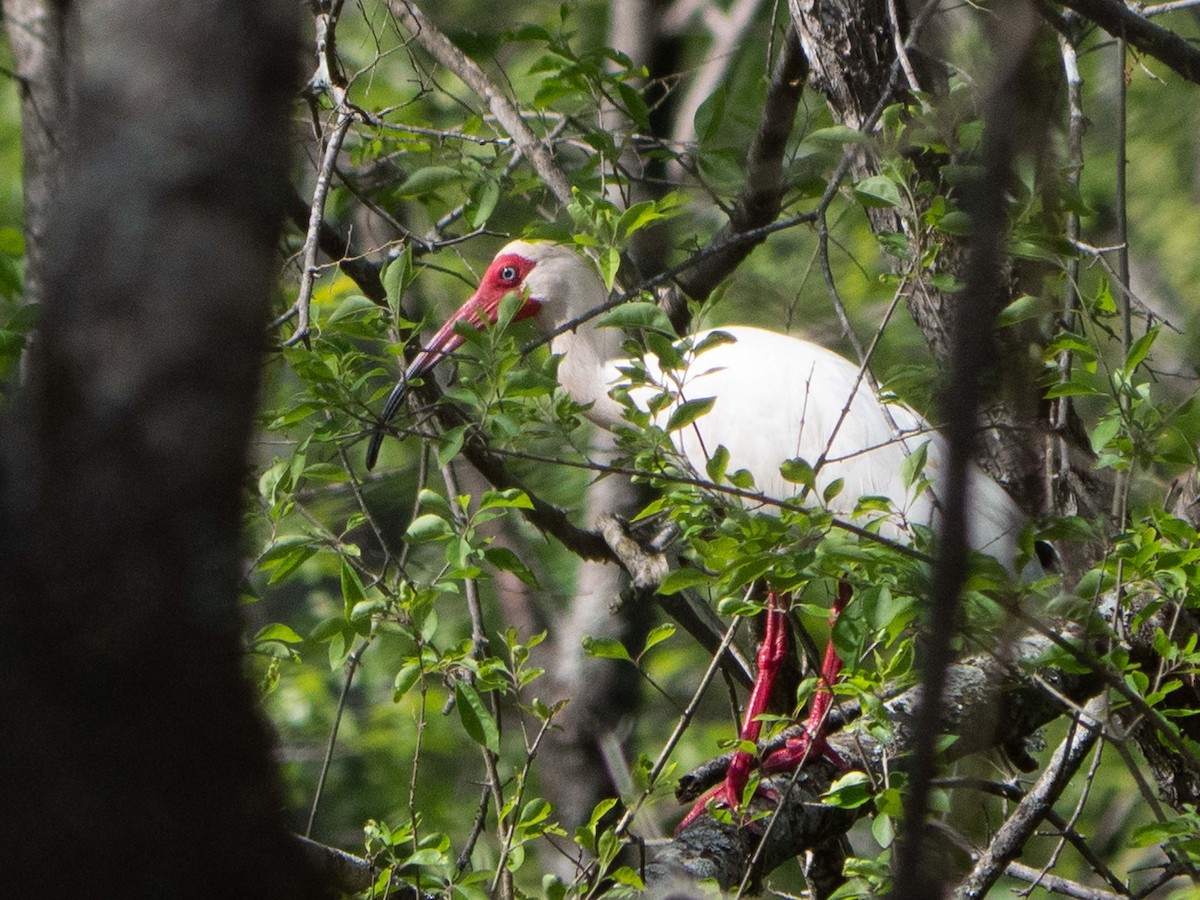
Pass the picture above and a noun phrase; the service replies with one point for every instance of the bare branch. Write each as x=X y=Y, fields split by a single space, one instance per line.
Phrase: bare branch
x=1058 y=885
x=38 y=32
x=1127 y=23
x=972 y=325
x=761 y=197
x=988 y=703
x=443 y=50
x=308 y=274
x=1010 y=840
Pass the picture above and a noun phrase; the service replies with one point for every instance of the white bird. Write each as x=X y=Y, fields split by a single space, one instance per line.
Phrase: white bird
x=776 y=398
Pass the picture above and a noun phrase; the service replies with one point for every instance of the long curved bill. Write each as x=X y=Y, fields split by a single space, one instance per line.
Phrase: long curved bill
x=476 y=311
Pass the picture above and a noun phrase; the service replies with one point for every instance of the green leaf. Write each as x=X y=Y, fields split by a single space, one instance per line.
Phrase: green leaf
x=883 y=830
x=395 y=275
x=352 y=588
x=628 y=877
x=850 y=791
x=510 y=498
x=682 y=579
x=396 y=279
x=688 y=412
x=352 y=307
x=798 y=471
x=658 y=634
x=277 y=631
x=1023 y=308
x=710 y=113
x=406 y=678
x=507 y=561
x=605 y=648
x=635 y=105
x=711 y=340
x=878 y=190
x=610 y=263
x=955 y=222
x=428 y=527
x=832 y=490
x=286 y=555
x=1106 y=429
x=450 y=443
x=600 y=811
x=655 y=506
x=1157 y=832
x=716 y=464
x=432 y=500
x=639 y=314
x=427 y=181
x=913 y=467
x=636 y=218
x=338 y=650
x=1140 y=348
x=482 y=202
x=1073 y=389
x=476 y=719
x=837 y=134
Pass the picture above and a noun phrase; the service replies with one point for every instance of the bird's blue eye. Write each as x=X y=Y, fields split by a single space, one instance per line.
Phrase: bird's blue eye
x=508 y=273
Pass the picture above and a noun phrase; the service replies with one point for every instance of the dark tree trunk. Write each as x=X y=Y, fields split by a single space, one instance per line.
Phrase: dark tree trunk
x=136 y=761
x=852 y=49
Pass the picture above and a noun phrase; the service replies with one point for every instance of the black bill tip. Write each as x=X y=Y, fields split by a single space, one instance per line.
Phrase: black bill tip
x=395 y=398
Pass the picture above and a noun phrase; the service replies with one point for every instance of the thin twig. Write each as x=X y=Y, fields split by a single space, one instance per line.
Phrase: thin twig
x=506 y=112
x=1010 y=839
x=352 y=662
x=1058 y=885
x=308 y=274
x=1058 y=459
x=479 y=645
x=681 y=726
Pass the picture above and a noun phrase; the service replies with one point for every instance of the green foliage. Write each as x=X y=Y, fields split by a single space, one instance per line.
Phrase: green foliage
x=372 y=598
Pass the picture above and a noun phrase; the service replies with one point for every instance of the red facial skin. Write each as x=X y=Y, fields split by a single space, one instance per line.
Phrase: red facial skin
x=504 y=276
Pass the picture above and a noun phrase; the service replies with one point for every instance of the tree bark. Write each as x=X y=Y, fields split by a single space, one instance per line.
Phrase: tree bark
x=38 y=34
x=137 y=763
x=853 y=51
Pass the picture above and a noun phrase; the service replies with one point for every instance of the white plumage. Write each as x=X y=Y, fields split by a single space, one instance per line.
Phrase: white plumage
x=777 y=398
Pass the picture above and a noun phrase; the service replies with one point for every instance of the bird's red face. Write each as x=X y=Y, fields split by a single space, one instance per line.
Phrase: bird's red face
x=506 y=275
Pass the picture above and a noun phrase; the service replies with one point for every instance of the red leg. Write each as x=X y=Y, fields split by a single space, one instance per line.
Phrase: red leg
x=797 y=749
x=771 y=654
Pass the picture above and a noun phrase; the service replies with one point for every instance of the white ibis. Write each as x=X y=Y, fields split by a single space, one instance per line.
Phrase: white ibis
x=777 y=398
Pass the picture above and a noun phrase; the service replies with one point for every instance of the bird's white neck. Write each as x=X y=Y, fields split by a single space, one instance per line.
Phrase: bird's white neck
x=588 y=369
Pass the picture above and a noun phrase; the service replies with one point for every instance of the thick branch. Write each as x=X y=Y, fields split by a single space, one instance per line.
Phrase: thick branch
x=1010 y=840
x=988 y=703
x=1125 y=22
x=122 y=491
x=972 y=325
x=761 y=197
x=583 y=543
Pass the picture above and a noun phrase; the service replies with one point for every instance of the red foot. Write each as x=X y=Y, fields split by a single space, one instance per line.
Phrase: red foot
x=771 y=654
